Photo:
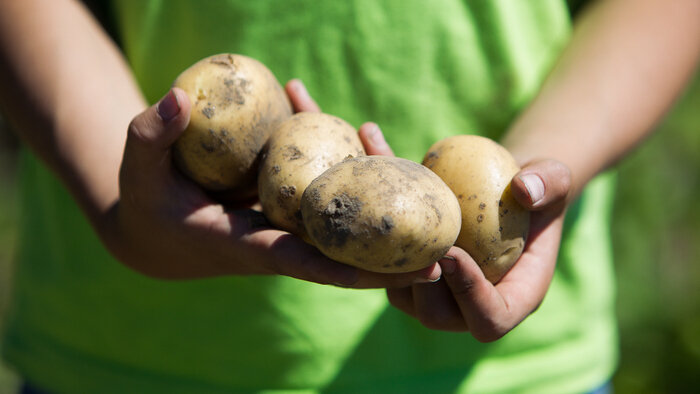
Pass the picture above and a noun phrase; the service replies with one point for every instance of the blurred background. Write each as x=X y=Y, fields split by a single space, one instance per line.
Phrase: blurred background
x=656 y=235
x=8 y=223
x=656 y=240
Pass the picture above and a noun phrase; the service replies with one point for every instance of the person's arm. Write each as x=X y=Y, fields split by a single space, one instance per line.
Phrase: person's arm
x=70 y=95
x=625 y=64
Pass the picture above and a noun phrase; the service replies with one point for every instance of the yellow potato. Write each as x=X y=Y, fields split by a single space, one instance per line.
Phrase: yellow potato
x=299 y=150
x=236 y=102
x=382 y=214
x=494 y=225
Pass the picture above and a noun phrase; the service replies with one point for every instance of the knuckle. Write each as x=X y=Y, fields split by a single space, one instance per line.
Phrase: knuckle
x=136 y=127
x=485 y=337
x=140 y=130
x=463 y=288
x=564 y=178
x=492 y=328
x=560 y=178
x=490 y=333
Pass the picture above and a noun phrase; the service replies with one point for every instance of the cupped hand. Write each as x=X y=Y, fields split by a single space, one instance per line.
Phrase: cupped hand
x=165 y=226
x=464 y=300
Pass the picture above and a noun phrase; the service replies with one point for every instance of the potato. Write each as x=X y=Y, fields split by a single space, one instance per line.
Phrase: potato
x=236 y=102
x=381 y=214
x=298 y=151
x=494 y=225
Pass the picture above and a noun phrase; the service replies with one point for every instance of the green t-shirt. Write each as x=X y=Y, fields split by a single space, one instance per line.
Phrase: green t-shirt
x=82 y=322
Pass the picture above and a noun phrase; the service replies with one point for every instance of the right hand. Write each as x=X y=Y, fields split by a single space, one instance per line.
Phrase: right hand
x=165 y=226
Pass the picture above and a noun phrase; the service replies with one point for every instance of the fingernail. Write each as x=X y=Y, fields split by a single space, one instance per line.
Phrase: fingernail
x=168 y=107
x=448 y=264
x=376 y=136
x=535 y=187
x=430 y=274
x=426 y=280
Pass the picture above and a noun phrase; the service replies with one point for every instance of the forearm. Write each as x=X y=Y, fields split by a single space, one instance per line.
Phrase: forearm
x=68 y=93
x=625 y=64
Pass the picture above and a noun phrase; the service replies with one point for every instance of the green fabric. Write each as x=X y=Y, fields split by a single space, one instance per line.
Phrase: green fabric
x=81 y=322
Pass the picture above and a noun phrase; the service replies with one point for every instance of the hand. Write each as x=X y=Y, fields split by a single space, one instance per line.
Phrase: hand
x=165 y=226
x=465 y=300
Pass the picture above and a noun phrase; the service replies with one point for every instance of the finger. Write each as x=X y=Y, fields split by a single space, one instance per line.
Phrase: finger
x=240 y=198
x=527 y=282
x=436 y=308
x=278 y=252
x=402 y=299
x=484 y=310
x=293 y=257
x=152 y=132
x=542 y=184
x=373 y=280
x=373 y=140
x=300 y=97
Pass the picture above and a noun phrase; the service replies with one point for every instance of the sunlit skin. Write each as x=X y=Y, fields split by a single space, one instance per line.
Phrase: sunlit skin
x=70 y=95
x=626 y=62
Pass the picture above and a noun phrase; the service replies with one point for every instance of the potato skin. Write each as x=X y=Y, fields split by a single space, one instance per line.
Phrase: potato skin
x=236 y=102
x=494 y=226
x=299 y=150
x=381 y=214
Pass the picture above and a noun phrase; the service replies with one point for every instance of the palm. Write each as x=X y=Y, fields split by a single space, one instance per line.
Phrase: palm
x=467 y=301
x=165 y=226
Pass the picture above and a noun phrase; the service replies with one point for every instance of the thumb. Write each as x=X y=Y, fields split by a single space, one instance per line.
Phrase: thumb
x=152 y=132
x=542 y=184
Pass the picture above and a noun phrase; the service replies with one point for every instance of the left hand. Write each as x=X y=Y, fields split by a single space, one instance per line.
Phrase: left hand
x=465 y=300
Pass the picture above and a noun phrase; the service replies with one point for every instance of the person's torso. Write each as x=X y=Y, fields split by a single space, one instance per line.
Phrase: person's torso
x=422 y=71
